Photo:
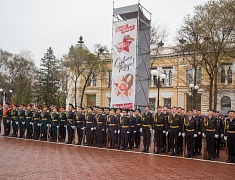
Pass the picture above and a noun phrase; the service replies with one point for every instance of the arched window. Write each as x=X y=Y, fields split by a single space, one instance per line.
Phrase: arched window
x=222 y=75
x=226 y=103
x=230 y=75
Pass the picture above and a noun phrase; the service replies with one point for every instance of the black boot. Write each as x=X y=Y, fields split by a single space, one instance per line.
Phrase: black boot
x=144 y=150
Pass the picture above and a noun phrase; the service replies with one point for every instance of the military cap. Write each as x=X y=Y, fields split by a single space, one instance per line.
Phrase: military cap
x=216 y=111
x=38 y=106
x=15 y=105
x=80 y=108
x=100 y=108
x=89 y=107
x=132 y=110
x=190 y=110
x=71 y=105
x=46 y=106
x=62 y=107
x=55 y=107
x=138 y=110
x=147 y=106
x=106 y=108
x=119 y=109
x=126 y=110
x=7 y=103
x=210 y=110
x=30 y=105
x=230 y=111
x=113 y=109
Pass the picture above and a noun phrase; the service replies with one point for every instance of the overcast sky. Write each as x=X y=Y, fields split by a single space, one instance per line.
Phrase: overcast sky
x=36 y=25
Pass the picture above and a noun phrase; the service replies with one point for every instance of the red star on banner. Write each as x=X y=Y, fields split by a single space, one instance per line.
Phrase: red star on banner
x=124 y=45
x=122 y=87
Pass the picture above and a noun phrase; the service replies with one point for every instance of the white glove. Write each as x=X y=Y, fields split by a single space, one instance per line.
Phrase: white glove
x=179 y=133
x=115 y=131
x=48 y=125
x=140 y=129
x=92 y=129
x=57 y=126
x=225 y=138
x=221 y=135
x=103 y=129
x=183 y=134
x=65 y=126
x=164 y=132
x=107 y=130
x=73 y=127
x=216 y=136
x=17 y=123
x=203 y=135
x=31 y=123
x=153 y=131
x=82 y=128
x=118 y=131
x=199 y=133
x=128 y=132
x=23 y=122
x=38 y=124
x=134 y=131
x=195 y=135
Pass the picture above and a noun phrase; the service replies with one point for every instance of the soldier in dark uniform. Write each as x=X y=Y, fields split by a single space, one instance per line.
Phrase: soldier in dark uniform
x=89 y=125
x=117 y=140
x=189 y=131
x=63 y=123
x=106 y=113
x=175 y=130
x=132 y=129
x=112 y=127
x=198 y=139
x=221 y=133
x=6 y=119
x=55 y=122
x=229 y=136
x=45 y=121
x=36 y=125
x=70 y=123
x=165 y=114
x=138 y=127
x=80 y=121
x=125 y=128
x=210 y=131
x=14 y=120
x=29 y=121
x=21 y=120
x=100 y=126
x=159 y=127
x=147 y=122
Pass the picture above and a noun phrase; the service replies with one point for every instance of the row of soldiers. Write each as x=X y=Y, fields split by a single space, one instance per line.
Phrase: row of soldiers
x=122 y=129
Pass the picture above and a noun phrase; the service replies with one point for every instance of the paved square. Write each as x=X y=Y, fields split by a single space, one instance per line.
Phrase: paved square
x=29 y=159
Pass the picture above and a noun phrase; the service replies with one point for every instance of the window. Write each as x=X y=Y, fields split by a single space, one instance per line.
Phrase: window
x=226 y=103
x=199 y=76
x=193 y=102
x=91 y=99
x=152 y=102
x=165 y=80
x=92 y=80
x=230 y=75
x=189 y=76
x=170 y=77
x=109 y=78
x=167 y=102
x=222 y=75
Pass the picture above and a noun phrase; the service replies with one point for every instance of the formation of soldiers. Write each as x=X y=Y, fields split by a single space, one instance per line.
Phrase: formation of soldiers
x=172 y=129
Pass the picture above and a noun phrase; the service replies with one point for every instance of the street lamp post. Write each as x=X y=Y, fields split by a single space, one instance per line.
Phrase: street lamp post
x=193 y=89
x=5 y=93
x=158 y=81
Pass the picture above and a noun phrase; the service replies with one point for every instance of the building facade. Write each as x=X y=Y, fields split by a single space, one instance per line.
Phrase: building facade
x=175 y=91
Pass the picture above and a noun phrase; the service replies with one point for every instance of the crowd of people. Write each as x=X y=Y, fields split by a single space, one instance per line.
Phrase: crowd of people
x=172 y=129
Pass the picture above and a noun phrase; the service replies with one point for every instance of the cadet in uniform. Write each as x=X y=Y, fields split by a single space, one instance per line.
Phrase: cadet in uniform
x=117 y=140
x=106 y=113
x=100 y=126
x=79 y=122
x=189 y=131
x=125 y=128
x=45 y=121
x=1 y=112
x=89 y=125
x=63 y=123
x=229 y=136
x=221 y=134
x=147 y=122
x=70 y=123
x=14 y=120
x=6 y=119
x=21 y=120
x=138 y=127
x=132 y=129
x=112 y=127
x=36 y=125
x=28 y=121
x=175 y=129
x=159 y=127
x=55 y=122
x=210 y=130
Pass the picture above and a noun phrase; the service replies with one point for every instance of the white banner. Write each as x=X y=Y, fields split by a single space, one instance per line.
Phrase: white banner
x=124 y=64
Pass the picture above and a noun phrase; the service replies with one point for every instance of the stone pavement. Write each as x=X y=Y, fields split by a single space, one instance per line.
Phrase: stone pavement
x=29 y=159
